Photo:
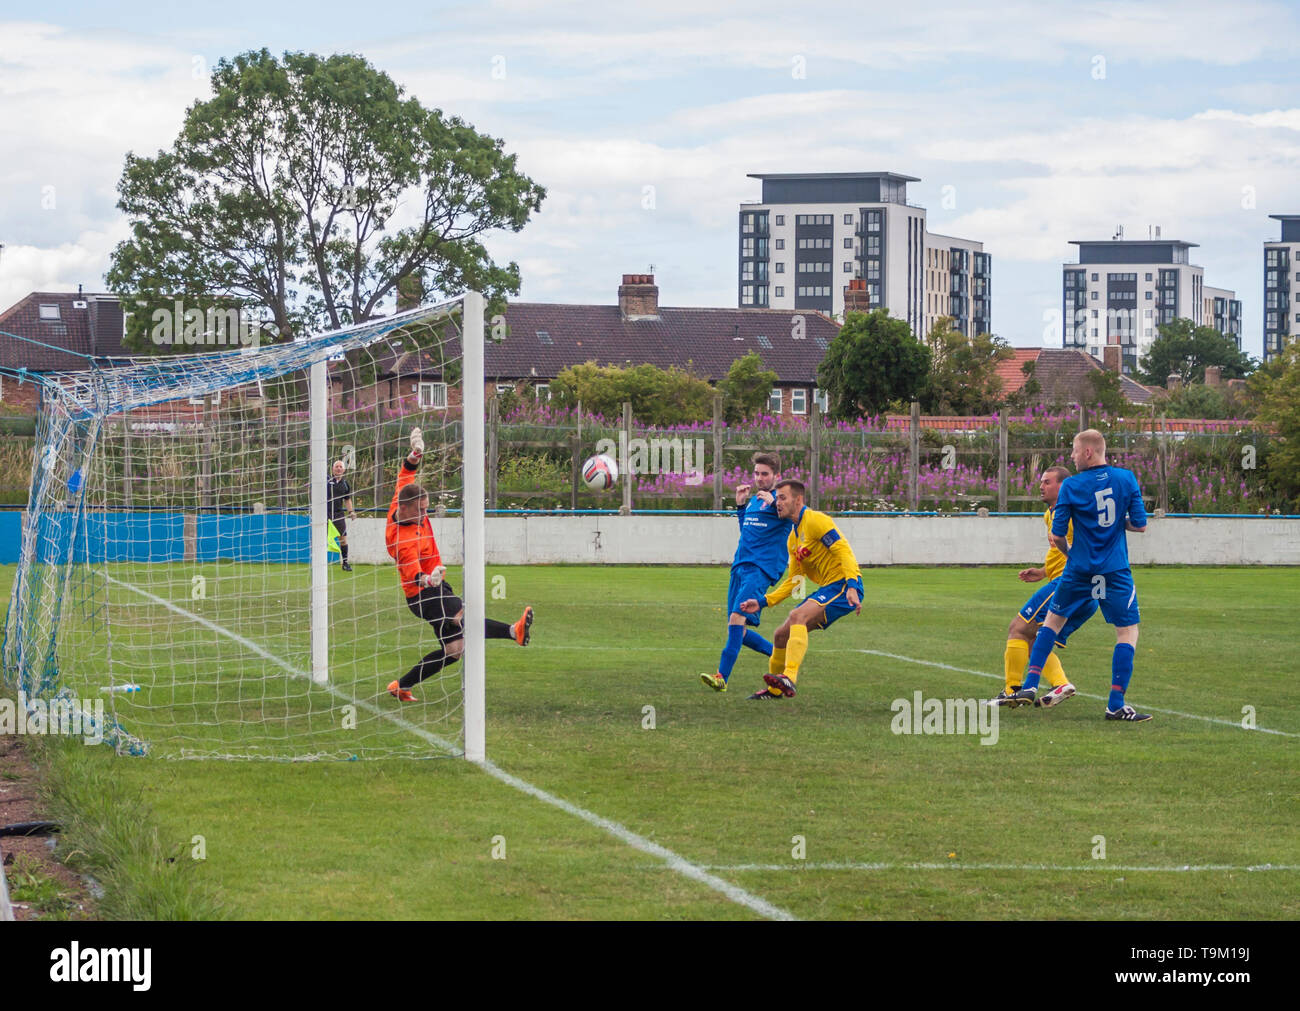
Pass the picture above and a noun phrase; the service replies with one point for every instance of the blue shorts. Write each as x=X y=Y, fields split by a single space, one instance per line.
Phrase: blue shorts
x=836 y=600
x=1114 y=592
x=748 y=582
x=1035 y=610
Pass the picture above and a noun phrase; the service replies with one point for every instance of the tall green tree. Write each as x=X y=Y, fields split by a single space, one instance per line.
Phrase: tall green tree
x=963 y=375
x=1276 y=387
x=746 y=388
x=872 y=361
x=305 y=189
x=1185 y=349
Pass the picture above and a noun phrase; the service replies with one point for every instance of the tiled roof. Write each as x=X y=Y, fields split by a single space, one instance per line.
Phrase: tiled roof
x=1012 y=370
x=545 y=338
x=1062 y=375
x=95 y=329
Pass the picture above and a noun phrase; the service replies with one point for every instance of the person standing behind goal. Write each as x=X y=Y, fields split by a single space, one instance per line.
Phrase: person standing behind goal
x=409 y=538
x=338 y=503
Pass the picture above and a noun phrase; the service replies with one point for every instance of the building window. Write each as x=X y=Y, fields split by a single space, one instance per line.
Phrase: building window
x=1094 y=277
x=1148 y=295
x=504 y=388
x=848 y=267
x=1148 y=276
x=848 y=243
x=780 y=266
x=798 y=401
x=774 y=401
x=780 y=220
x=823 y=401
x=1093 y=296
x=1094 y=313
x=780 y=243
x=780 y=291
x=747 y=294
x=433 y=396
x=542 y=391
x=49 y=312
x=1094 y=331
x=848 y=219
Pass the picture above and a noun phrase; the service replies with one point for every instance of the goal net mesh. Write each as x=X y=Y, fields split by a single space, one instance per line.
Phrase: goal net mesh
x=165 y=559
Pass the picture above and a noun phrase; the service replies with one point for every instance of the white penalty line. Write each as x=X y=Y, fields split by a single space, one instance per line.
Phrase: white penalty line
x=671 y=860
x=954 y=865
x=1085 y=695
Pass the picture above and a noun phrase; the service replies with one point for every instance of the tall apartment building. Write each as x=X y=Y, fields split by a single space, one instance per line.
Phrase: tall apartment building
x=1281 y=278
x=811 y=234
x=1120 y=291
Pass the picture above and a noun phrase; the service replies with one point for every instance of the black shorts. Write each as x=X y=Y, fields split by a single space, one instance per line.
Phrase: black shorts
x=341 y=525
x=439 y=605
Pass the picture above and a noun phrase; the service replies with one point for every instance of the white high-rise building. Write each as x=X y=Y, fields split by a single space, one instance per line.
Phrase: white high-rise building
x=1281 y=281
x=813 y=233
x=1120 y=291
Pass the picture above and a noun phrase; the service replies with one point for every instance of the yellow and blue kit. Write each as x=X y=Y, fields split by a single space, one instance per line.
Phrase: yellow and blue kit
x=820 y=554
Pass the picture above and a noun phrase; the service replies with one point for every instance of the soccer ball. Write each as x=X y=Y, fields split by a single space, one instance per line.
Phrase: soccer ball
x=600 y=472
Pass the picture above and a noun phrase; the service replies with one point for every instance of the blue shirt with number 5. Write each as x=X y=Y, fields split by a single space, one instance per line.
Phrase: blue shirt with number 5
x=1099 y=500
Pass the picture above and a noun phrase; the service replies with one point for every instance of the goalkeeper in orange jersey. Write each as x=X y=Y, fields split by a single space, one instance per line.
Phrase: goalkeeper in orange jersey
x=820 y=553
x=409 y=537
x=1025 y=625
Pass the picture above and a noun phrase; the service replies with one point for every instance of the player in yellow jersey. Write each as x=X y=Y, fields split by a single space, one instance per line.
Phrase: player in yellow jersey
x=1024 y=626
x=818 y=553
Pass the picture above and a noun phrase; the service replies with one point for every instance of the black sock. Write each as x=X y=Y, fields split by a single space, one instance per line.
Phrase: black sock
x=429 y=666
x=344 y=548
x=493 y=629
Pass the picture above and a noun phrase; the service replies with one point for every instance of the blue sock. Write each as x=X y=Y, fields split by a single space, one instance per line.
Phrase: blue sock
x=756 y=642
x=1042 y=648
x=1121 y=669
x=735 y=634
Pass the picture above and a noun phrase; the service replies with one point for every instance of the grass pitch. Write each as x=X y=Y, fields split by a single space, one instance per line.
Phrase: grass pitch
x=811 y=806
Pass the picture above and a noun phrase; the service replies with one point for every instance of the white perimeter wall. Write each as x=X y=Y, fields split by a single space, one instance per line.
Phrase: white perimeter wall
x=889 y=540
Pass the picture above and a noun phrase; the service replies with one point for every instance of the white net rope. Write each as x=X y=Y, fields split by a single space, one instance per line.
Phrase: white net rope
x=165 y=558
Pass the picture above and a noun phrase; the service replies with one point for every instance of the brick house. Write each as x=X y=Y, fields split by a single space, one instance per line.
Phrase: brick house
x=82 y=323
x=543 y=338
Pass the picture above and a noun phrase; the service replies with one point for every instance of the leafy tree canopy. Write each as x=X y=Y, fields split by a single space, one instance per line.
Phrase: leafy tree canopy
x=872 y=361
x=305 y=190
x=1185 y=349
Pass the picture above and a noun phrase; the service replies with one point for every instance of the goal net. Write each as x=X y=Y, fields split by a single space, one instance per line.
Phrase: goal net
x=179 y=571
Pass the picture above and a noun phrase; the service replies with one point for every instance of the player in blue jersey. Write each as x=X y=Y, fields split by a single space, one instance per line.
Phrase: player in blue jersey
x=759 y=563
x=1102 y=502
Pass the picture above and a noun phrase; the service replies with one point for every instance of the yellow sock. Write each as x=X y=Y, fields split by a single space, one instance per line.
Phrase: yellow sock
x=1014 y=661
x=776 y=662
x=795 y=650
x=1054 y=672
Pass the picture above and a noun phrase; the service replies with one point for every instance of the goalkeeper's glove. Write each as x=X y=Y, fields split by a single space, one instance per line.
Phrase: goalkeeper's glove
x=417 y=443
x=433 y=578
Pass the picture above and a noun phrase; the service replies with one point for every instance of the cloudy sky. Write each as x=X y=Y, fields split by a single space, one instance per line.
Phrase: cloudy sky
x=1030 y=125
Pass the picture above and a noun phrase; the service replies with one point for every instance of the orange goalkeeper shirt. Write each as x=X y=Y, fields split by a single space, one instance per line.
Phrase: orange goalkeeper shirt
x=410 y=544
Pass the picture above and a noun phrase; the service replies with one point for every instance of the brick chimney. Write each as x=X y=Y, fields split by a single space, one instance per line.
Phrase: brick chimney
x=856 y=296
x=638 y=297
x=1110 y=357
x=1213 y=375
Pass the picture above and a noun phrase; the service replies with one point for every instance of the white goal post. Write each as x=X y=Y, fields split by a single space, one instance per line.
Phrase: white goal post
x=174 y=561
